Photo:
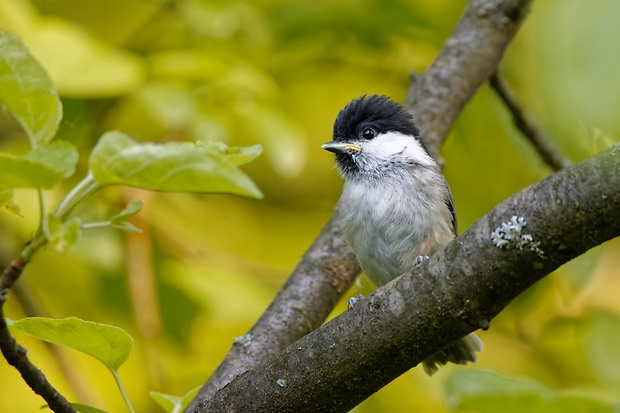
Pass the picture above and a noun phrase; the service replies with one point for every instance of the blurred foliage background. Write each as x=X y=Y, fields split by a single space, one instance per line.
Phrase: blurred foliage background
x=276 y=72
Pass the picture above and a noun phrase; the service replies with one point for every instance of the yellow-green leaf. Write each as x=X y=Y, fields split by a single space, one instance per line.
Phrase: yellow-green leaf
x=7 y=201
x=108 y=344
x=237 y=155
x=170 y=167
x=132 y=209
x=174 y=404
x=27 y=90
x=63 y=235
x=13 y=207
x=119 y=221
x=42 y=167
x=83 y=408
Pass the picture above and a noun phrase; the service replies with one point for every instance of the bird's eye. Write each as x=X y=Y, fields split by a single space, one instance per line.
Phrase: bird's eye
x=368 y=133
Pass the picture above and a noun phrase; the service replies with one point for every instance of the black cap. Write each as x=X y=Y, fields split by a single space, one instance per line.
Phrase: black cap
x=377 y=112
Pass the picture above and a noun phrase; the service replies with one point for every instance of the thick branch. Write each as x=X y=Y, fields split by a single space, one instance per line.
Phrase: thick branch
x=470 y=55
x=545 y=148
x=457 y=291
x=16 y=354
x=326 y=271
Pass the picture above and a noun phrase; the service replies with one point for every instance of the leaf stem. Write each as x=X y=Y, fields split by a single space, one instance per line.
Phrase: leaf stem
x=33 y=246
x=117 y=379
x=95 y=225
x=84 y=189
x=125 y=226
x=43 y=227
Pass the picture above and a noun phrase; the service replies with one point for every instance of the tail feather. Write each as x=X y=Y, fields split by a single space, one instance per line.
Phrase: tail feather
x=460 y=352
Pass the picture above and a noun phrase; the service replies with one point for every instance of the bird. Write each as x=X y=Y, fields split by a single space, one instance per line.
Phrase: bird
x=396 y=208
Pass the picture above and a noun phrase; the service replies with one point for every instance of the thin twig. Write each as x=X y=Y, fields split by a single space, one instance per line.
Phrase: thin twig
x=16 y=355
x=545 y=148
x=32 y=307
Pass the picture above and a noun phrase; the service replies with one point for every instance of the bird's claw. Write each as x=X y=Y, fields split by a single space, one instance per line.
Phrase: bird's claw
x=419 y=260
x=353 y=300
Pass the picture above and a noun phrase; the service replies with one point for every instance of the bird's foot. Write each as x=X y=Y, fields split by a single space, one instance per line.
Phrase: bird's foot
x=419 y=260
x=353 y=300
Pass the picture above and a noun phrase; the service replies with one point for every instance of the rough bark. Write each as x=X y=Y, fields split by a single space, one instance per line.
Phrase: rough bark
x=458 y=290
x=436 y=98
x=469 y=56
x=325 y=272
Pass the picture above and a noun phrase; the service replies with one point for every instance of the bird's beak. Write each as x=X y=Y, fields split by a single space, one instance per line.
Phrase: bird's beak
x=339 y=147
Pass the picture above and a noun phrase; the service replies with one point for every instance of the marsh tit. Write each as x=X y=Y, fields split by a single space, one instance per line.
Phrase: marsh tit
x=396 y=208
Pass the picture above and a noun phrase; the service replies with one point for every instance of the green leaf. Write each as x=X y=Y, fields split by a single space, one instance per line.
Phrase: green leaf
x=126 y=226
x=62 y=235
x=42 y=167
x=486 y=391
x=60 y=155
x=118 y=221
x=108 y=344
x=170 y=167
x=13 y=207
x=238 y=156
x=132 y=209
x=174 y=404
x=27 y=91
x=82 y=408
x=7 y=201
x=165 y=401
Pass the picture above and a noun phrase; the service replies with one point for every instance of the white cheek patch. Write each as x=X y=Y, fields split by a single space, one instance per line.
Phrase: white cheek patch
x=393 y=146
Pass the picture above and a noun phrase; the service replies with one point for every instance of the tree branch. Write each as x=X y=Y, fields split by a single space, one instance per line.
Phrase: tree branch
x=469 y=56
x=33 y=307
x=457 y=291
x=328 y=268
x=16 y=354
x=325 y=272
x=545 y=148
